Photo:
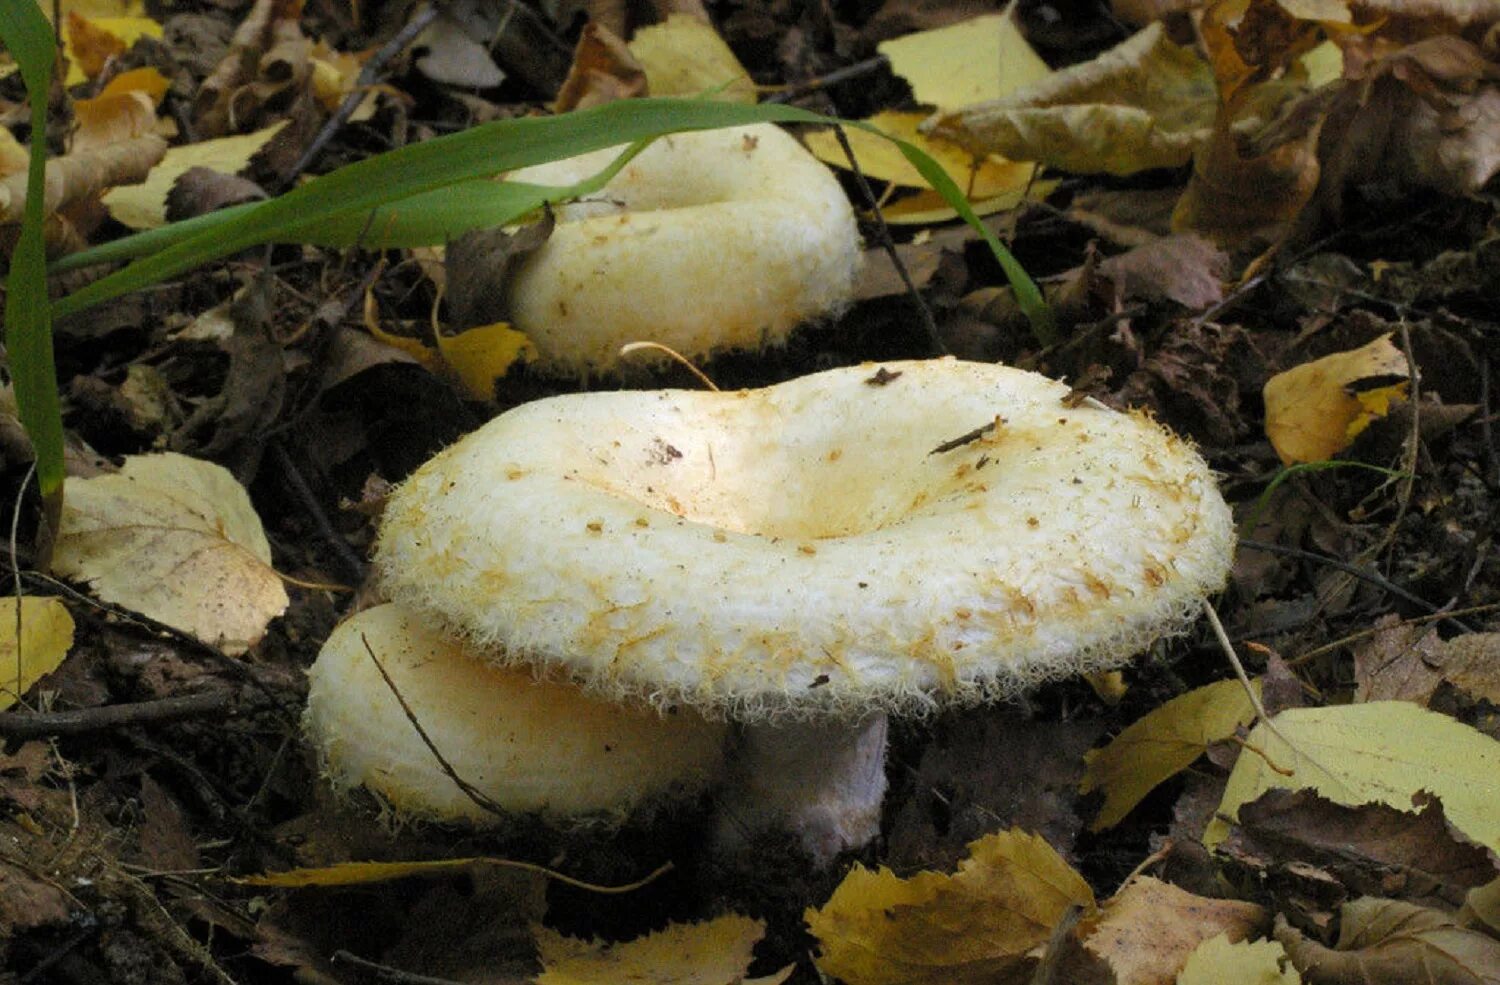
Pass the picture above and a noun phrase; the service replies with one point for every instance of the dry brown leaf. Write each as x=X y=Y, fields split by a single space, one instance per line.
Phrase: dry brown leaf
x=1369 y=849
x=1147 y=930
x=1146 y=103
x=1401 y=662
x=116 y=143
x=603 y=70
x=1471 y=663
x=267 y=55
x=716 y=952
x=1317 y=409
x=89 y=42
x=176 y=539
x=1161 y=744
x=969 y=928
x=1390 y=941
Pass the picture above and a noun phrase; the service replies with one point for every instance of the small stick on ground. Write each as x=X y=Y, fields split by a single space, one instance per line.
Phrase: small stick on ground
x=786 y=93
x=31 y=725
x=888 y=244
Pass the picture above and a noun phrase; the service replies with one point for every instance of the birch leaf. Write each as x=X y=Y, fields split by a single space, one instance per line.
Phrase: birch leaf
x=1315 y=410
x=1218 y=962
x=716 y=952
x=176 y=539
x=33 y=643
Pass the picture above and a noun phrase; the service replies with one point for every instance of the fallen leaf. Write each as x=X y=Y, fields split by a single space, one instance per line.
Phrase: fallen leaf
x=1391 y=941
x=452 y=57
x=965 y=929
x=89 y=42
x=1315 y=410
x=980 y=177
x=1471 y=663
x=974 y=61
x=1161 y=744
x=1218 y=961
x=1183 y=268
x=1371 y=849
x=1147 y=930
x=480 y=356
x=176 y=539
x=1401 y=662
x=35 y=635
x=684 y=56
x=1481 y=909
x=603 y=71
x=144 y=205
x=1146 y=103
x=716 y=952
x=1384 y=752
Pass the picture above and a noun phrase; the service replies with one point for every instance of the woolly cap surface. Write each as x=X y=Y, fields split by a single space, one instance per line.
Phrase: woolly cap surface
x=707 y=241
x=808 y=548
x=531 y=747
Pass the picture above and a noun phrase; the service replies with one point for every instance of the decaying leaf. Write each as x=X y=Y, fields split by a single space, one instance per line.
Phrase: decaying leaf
x=684 y=56
x=603 y=70
x=1384 y=752
x=966 y=929
x=1481 y=909
x=35 y=635
x=89 y=42
x=267 y=56
x=1390 y=941
x=980 y=177
x=116 y=143
x=1147 y=930
x=716 y=952
x=1401 y=662
x=1370 y=849
x=1146 y=103
x=974 y=61
x=1471 y=663
x=176 y=539
x=1315 y=410
x=1218 y=961
x=1162 y=744
x=144 y=206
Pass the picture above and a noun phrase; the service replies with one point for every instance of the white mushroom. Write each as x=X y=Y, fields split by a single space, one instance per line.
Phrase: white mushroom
x=528 y=746
x=806 y=557
x=707 y=241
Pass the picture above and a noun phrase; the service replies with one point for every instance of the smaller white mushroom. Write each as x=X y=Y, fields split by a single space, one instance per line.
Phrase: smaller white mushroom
x=529 y=746
x=707 y=241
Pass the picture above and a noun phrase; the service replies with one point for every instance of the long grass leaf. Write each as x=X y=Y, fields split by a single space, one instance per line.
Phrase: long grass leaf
x=28 y=316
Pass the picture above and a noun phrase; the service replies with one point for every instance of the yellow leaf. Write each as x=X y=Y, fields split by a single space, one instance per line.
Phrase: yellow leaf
x=716 y=952
x=1383 y=752
x=1311 y=414
x=144 y=206
x=1146 y=103
x=44 y=638
x=1161 y=744
x=683 y=56
x=981 y=178
x=1147 y=930
x=175 y=539
x=480 y=356
x=964 y=929
x=88 y=41
x=1218 y=962
x=971 y=62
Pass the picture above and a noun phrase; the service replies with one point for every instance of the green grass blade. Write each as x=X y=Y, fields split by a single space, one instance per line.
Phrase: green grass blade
x=28 y=316
x=406 y=181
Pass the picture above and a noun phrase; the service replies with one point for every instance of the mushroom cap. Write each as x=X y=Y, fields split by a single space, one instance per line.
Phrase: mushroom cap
x=528 y=745
x=707 y=241
x=843 y=542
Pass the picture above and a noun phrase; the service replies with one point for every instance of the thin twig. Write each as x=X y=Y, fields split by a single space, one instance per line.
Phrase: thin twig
x=783 y=94
x=30 y=725
x=387 y=974
x=1363 y=634
x=888 y=244
x=1374 y=579
x=368 y=75
x=478 y=796
x=351 y=563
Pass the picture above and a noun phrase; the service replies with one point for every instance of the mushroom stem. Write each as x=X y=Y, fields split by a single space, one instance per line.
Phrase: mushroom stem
x=821 y=782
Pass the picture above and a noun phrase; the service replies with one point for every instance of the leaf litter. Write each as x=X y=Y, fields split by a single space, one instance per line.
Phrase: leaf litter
x=1282 y=183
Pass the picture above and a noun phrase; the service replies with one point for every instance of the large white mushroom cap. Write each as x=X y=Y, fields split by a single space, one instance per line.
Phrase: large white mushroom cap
x=865 y=538
x=531 y=747
x=707 y=241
